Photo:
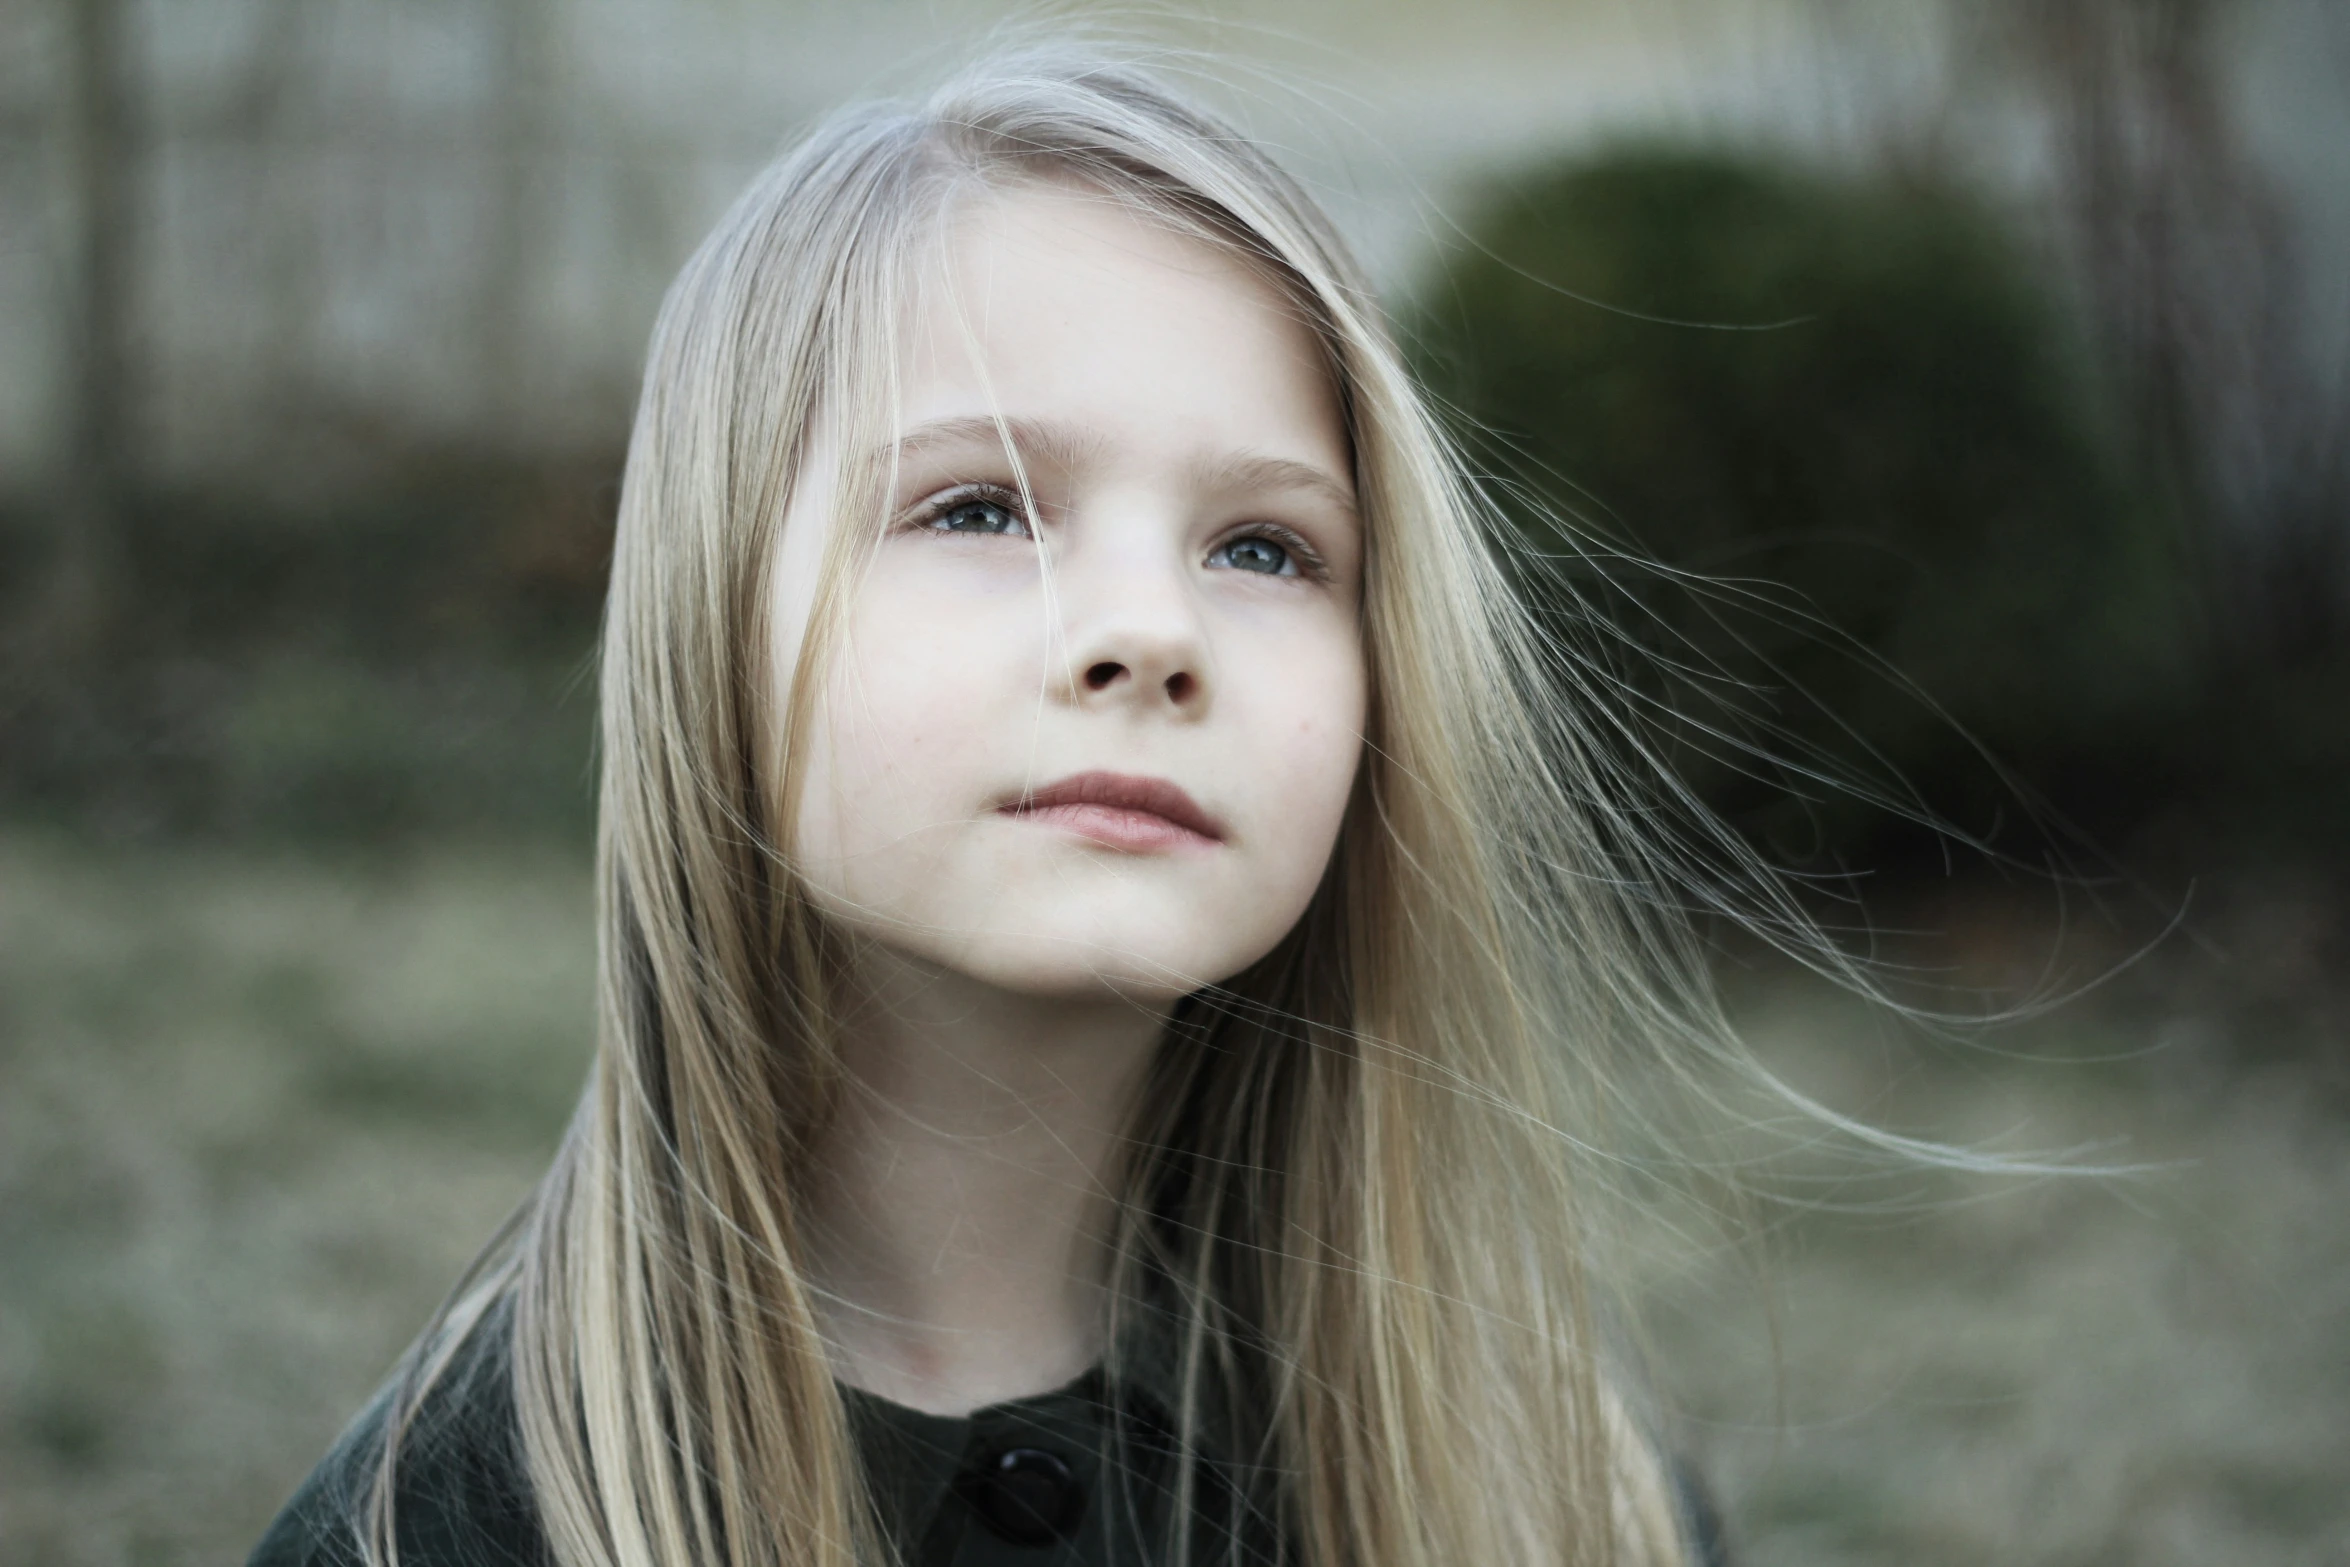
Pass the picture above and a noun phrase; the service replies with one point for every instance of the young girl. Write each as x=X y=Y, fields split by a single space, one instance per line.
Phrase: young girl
x=1115 y=949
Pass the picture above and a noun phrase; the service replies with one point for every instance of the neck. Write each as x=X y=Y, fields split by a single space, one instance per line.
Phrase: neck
x=959 y=1205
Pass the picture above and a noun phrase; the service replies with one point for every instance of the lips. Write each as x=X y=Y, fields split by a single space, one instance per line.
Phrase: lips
x=1121 y=811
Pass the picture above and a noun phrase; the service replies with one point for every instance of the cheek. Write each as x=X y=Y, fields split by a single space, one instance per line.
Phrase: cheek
x=897 y=735
x=1306 y=736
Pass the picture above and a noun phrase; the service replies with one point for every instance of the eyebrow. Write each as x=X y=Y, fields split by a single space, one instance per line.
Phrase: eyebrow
x=1065 y=445
x=1062 y=445
x=1256 y=471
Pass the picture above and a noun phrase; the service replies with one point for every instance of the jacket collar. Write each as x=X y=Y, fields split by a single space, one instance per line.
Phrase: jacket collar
x=1114 y=1426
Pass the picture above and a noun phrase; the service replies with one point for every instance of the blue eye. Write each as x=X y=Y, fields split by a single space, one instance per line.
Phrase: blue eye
x=1253 y=553
x=977 y=514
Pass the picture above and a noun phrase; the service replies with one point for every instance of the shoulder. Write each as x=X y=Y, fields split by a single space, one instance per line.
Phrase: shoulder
x=460 y=1498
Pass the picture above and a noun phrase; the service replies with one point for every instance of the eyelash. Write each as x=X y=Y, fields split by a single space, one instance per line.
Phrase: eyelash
x=929 y=513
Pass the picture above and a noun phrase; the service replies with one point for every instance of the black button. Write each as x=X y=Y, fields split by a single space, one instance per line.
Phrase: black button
x=1024 y=1494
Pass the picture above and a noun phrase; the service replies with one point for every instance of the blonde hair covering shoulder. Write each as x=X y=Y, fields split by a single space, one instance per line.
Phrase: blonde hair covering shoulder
x=1365 y=1167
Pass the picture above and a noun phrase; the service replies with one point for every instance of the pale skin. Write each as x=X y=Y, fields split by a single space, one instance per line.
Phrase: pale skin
x=1024 y=926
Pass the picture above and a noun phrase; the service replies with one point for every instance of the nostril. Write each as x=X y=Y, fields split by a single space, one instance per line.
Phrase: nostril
x=1180 y=686
x=1102 y=675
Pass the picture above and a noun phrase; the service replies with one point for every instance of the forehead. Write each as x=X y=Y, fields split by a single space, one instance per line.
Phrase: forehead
x=1060 y=305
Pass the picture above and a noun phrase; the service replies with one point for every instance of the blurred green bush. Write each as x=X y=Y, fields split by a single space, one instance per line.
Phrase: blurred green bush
x=1820 y=448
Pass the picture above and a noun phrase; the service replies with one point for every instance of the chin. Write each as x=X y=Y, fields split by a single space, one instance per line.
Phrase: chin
x=1047 y=944
x=1073 y=969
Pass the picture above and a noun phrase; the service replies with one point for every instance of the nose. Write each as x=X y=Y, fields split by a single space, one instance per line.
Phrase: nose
x=1134 y=640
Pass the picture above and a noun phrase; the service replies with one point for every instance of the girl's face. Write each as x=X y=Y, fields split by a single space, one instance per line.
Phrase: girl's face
x=1101 y=743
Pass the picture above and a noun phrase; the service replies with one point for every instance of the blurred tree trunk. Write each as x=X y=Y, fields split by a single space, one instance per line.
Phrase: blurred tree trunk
x=2191 y=268
x=521 y=88
x=99 y=471
x=273 y=111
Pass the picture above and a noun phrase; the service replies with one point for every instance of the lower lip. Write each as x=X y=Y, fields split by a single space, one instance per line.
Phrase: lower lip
x=1119 y=827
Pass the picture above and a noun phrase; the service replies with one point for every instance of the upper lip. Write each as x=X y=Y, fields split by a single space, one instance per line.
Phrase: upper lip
x=1125 y=791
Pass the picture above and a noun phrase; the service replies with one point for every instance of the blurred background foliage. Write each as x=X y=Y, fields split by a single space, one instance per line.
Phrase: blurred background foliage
x=1946 y=401
x=1826 y=452
x=414 y=662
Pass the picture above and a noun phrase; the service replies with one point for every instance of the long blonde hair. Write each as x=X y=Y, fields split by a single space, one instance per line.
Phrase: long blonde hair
x=1368 y=1168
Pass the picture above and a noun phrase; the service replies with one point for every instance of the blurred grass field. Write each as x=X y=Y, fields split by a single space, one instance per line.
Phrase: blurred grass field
x=257 y=1111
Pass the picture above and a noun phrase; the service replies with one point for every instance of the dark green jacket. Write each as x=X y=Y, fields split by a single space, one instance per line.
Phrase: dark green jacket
x=1074 y=1478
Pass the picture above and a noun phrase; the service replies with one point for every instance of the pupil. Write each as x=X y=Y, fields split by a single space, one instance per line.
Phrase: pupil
x=976 y=517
